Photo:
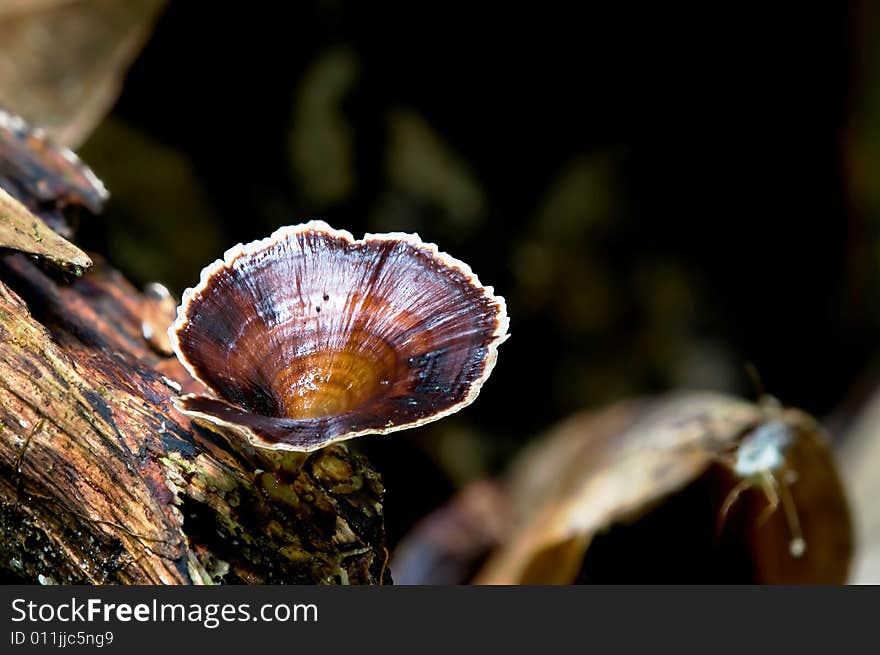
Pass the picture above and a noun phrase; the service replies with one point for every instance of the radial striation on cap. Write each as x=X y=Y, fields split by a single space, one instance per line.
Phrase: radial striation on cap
x=310 y=337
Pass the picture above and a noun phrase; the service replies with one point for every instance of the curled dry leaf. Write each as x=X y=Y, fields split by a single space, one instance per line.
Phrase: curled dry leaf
x=23 y=231
x=693 y=488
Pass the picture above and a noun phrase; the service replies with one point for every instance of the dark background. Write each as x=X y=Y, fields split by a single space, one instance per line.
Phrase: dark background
x=662 y=195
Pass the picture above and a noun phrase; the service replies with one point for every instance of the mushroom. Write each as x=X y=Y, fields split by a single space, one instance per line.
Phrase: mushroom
x=310 y=337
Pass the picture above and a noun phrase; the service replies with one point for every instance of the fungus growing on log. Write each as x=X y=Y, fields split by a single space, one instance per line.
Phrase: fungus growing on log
x=310 y=337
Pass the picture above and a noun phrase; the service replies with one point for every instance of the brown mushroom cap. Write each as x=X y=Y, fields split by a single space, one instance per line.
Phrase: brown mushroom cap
x=310 y=337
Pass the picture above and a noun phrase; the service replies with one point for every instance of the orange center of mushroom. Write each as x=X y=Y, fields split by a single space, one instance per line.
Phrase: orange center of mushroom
x=335 y=381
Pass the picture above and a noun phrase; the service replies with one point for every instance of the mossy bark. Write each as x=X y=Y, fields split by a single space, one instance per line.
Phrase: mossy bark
x=103 y=481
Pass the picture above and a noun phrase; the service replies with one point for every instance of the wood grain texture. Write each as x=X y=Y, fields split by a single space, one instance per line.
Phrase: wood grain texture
x=103 y=481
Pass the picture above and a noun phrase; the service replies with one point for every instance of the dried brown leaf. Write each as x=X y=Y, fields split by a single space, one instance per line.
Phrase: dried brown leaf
x=765 y=502
x=23 y=231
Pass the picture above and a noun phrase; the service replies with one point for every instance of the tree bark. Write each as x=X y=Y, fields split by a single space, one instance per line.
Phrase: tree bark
x=103 y=481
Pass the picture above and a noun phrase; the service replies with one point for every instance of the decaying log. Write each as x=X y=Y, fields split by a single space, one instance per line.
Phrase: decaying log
x=103 y=481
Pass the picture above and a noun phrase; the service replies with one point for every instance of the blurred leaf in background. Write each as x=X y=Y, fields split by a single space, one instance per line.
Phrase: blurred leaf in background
x=320 y=141
x=62 y=62
x=429 y=185
x=159 y=213
x=697 y=488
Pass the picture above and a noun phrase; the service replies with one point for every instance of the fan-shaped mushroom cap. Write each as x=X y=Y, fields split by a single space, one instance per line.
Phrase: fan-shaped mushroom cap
x=310 y=337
